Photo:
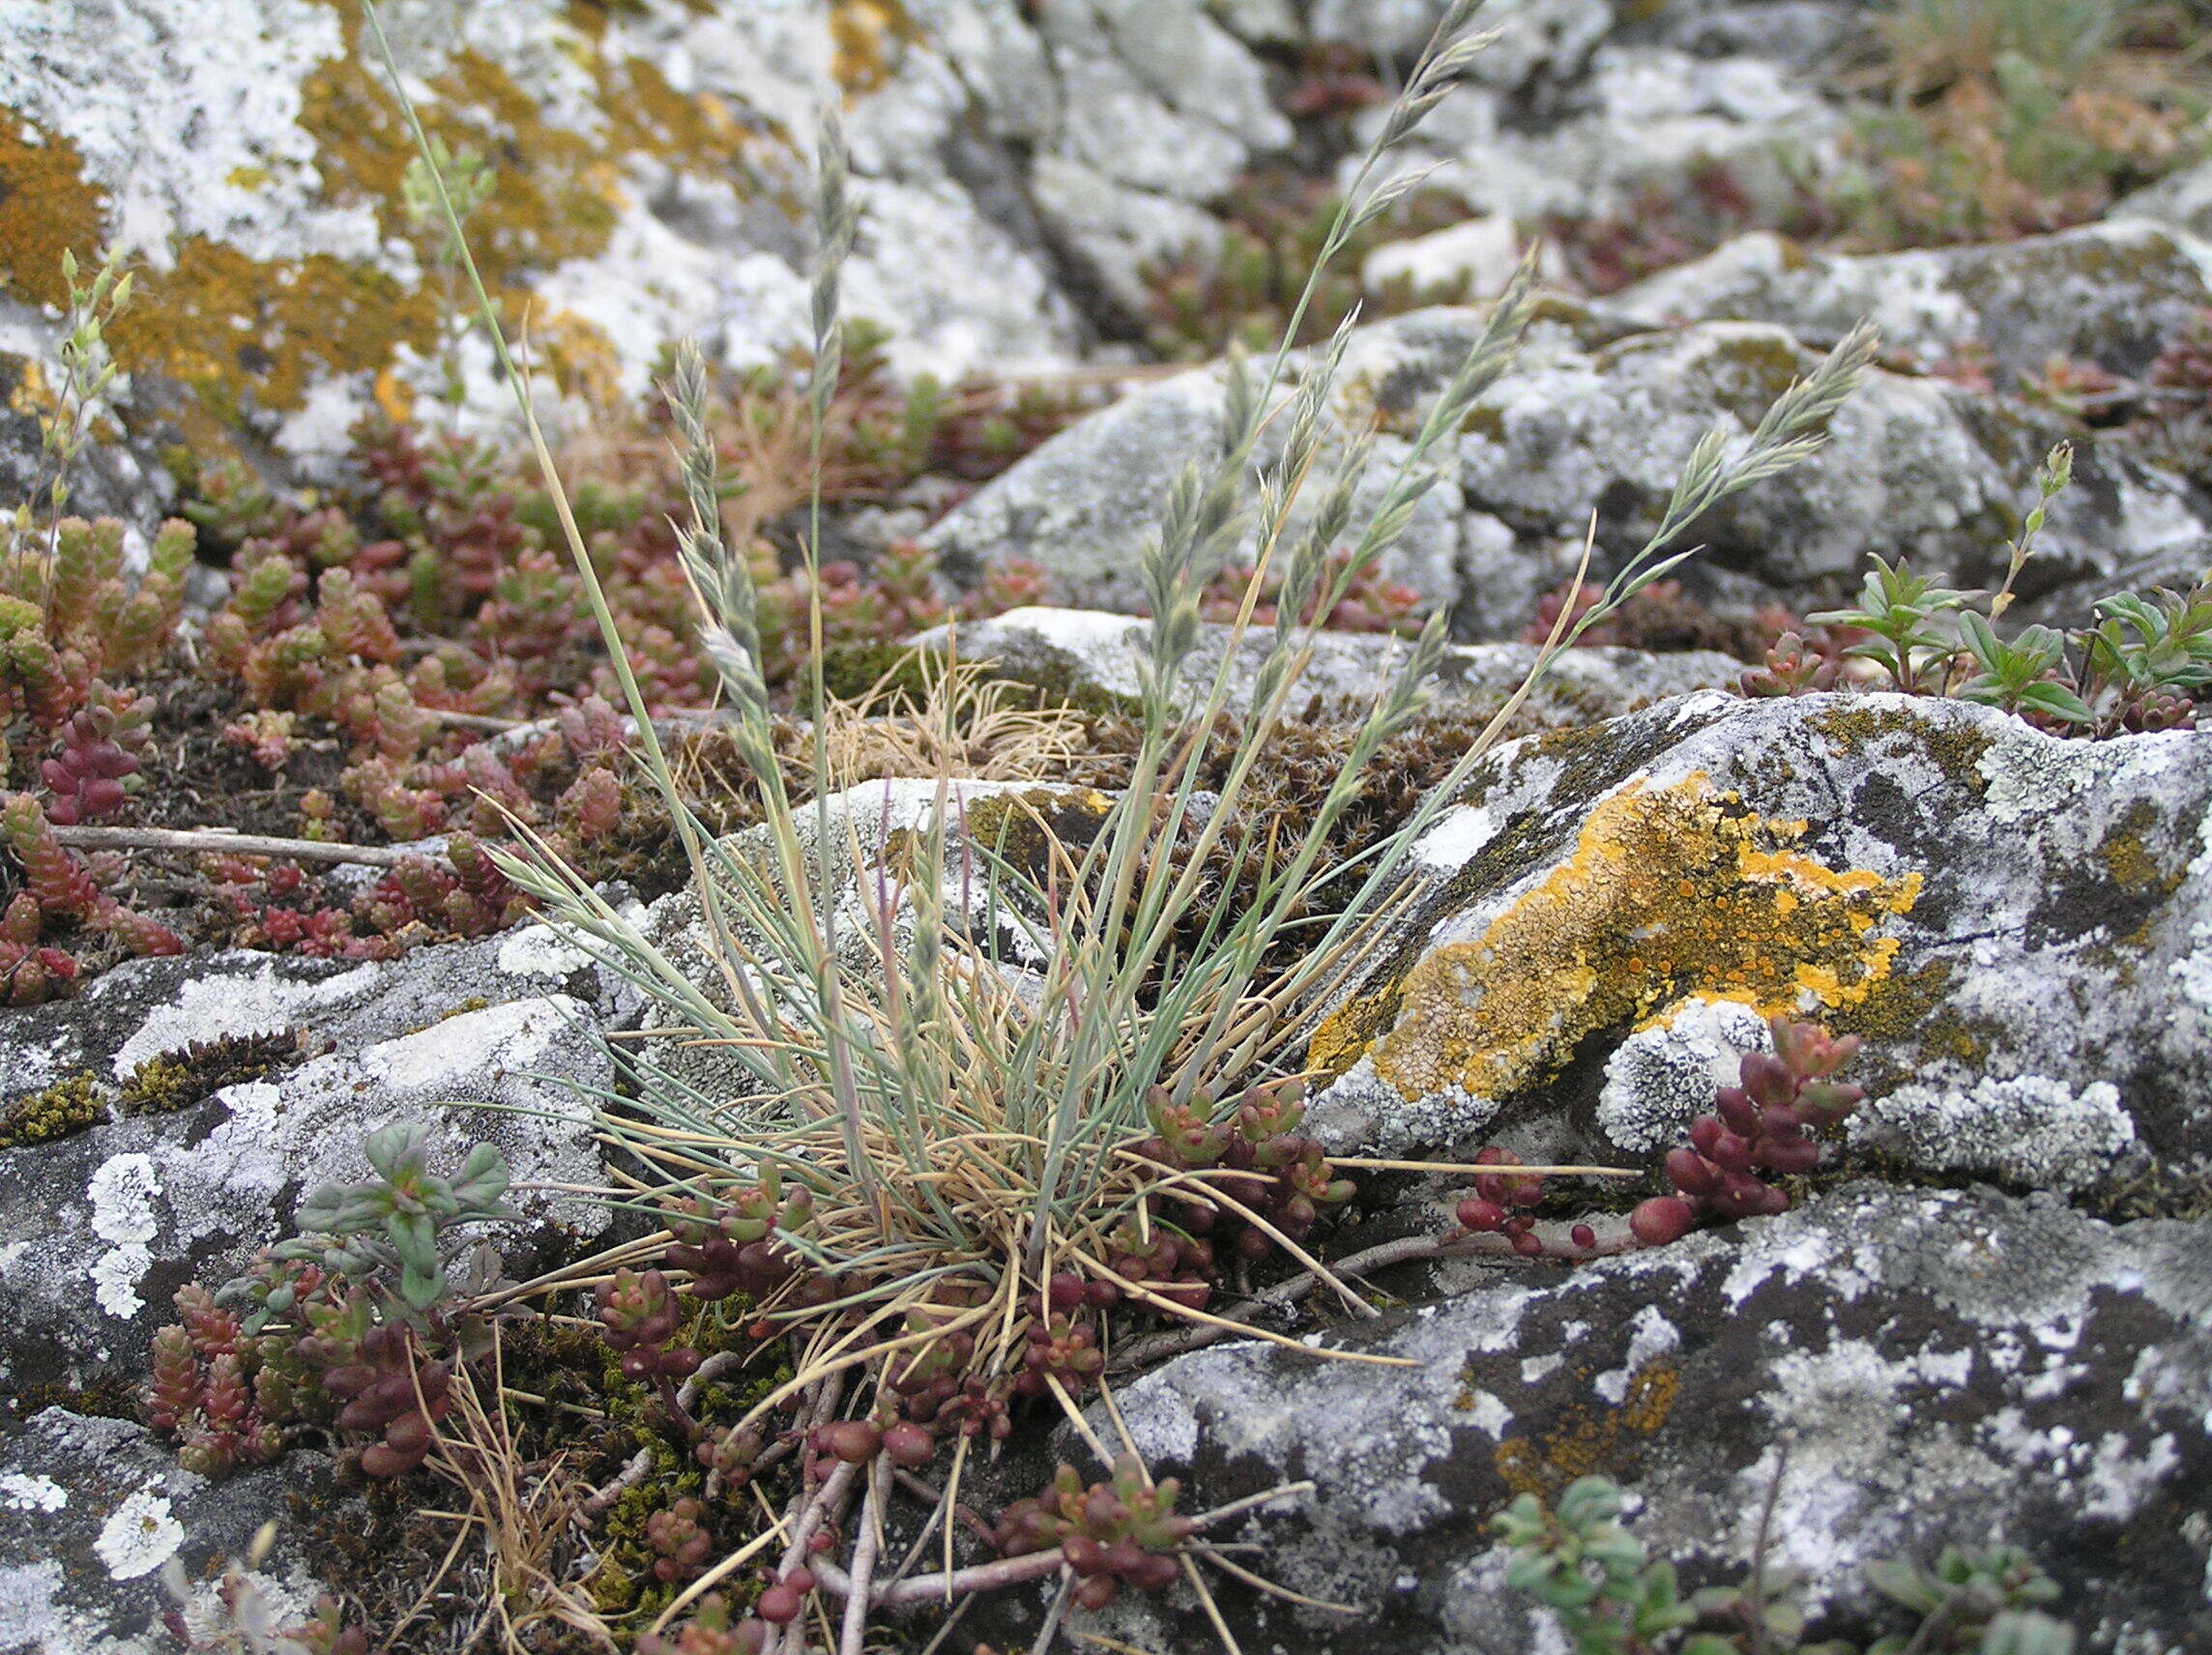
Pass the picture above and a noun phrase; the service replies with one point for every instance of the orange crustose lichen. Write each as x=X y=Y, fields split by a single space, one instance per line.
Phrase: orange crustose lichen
x=1669 y=892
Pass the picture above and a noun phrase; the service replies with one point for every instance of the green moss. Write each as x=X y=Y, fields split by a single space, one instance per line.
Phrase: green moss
x=850 y=671
x=64 y=1109
x=179 y=1080
x=1061 y=681
x=1484 y=422
x=1955 y=748
x=1024 y=829
x=1909 y=1016
x=103 y=1399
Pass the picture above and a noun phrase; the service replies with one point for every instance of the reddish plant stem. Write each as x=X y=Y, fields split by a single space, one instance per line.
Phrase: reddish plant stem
x=922 y=1489
x=1013 y=1571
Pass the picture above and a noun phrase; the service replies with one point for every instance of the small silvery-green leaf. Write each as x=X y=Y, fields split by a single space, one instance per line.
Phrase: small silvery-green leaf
x=483 y=1179
x=1526 y=1571
x=1904 y=1584
x=415 y=1239
x=2026 y=1632
x=1615 y=1550
x=1708 y=1643
x=1521 y=1522
x=1589 y=1500
x=1565 y=1591
x=2059 y=702
x=421 y=1288
x=393 y=1149
x=321 y=1208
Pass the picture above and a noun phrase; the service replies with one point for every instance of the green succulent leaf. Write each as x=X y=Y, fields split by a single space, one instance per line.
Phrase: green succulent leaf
x=395 y=1150
x=320 y=1210
x=421 y=1288
x=2058 y=701
x=1708 y=1643
x=1905 y=1583
x=483 y=1178
x=2026 y=1632
x=1589 y=1500
x=415 y=1239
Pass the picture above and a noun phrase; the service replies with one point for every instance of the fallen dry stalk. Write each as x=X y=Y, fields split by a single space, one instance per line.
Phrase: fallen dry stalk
x=221 y=841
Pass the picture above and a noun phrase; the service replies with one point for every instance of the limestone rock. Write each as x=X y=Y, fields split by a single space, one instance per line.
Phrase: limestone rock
x=2181 y=199
x=2110 y=294
x=1898 y=1370
x=103 y=1225
x=244 y=152
x=2017 y=923
x=1478 y=256
x=92 y=1508
x=1087 y=655
x=1600 y=413
x=1019 y=170
x=1622 y=120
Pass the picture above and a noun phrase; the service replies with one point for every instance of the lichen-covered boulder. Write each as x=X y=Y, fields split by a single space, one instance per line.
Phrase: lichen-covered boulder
x=2182 y=199
x=1599 y=413
x=1623 y=119
x=2110 y=294
x=1023 y=172
x=1896 y=1371
x=1091 y=659
x=91 y=1511
x=2019 y=926
x=650 y=160
x=147 y=1158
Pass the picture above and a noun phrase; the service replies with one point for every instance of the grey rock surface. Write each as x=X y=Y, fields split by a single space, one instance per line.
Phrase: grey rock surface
x=1898 y=1370
x=2181 y=199
x=2111 y=294
x=1087 y=654
x=2017 y=923
x=92 y=1508
x=1021 y=171
x=1598 y=413
x=102 y=1227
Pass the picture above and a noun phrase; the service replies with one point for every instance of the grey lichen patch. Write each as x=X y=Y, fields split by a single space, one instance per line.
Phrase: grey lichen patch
x=2030 y=1131
x=1661 y=1078
x=2066 y=1362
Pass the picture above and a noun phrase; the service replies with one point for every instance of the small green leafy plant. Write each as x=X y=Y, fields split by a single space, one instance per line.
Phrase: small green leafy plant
x=1611 y=1598
x=88 y=373
x=2140 y=667
x=382 y=1234
x=355 y=1320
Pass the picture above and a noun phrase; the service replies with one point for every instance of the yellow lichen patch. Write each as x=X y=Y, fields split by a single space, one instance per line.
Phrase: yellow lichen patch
x=647 y=116
x=45 y=207
x=235 y=327
x=246 y=333
x=579 y=356
x=1670 y=892
x=241 y=331
x=1587 y=1440
x=868 y=35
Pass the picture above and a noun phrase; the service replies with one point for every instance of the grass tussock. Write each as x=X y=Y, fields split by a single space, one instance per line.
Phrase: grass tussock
x=995 y=1076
